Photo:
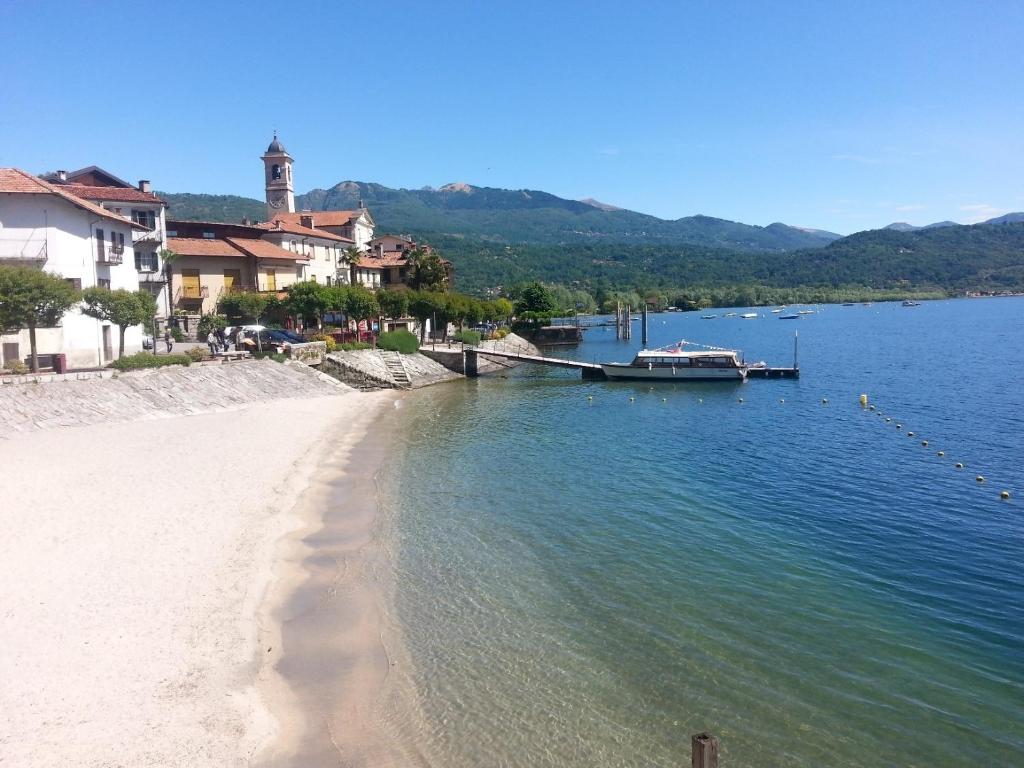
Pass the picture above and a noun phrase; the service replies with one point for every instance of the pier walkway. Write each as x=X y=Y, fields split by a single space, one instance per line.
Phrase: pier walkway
x=593 y=371
x=588 y=370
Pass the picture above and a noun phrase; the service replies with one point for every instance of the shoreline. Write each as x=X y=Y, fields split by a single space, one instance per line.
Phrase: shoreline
x=140 y=558
x=325 y=677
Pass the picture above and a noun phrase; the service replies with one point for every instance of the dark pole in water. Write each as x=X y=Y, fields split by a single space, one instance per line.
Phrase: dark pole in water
x=627 y=328
x=643 y=329
x=796 y=338
x=704 y=751
x=618 y=320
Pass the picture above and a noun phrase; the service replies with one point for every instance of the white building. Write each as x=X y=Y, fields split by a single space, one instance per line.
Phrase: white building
x=356 y=225
x=137 y=203
x=46 y=227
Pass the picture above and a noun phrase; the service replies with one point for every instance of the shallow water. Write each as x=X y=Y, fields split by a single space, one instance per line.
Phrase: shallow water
x=589 y=582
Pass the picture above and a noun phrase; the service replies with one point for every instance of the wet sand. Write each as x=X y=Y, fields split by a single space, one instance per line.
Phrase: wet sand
x=332 y=686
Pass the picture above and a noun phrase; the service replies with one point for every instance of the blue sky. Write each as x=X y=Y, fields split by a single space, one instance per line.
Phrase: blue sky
x=836 y=115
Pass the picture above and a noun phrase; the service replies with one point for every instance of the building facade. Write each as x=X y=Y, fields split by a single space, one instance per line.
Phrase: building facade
x=212 y=259
x=44 y=226
x=142 y=207
x=326 y=253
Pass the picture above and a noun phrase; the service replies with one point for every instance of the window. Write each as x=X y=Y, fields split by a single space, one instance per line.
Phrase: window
x=101 y=247
x=208 y=235
x=145 y=218
x=146 y=262
x=117 y=242
x=103 y=282
x=328 y=279
x=76 y=282
x=275 y=172
x=172 y=233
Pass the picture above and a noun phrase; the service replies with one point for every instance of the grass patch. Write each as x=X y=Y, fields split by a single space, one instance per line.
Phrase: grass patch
x=398 y=341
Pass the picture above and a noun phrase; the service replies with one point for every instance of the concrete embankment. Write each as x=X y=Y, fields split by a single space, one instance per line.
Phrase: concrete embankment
x=377 y=369
x=156 y=393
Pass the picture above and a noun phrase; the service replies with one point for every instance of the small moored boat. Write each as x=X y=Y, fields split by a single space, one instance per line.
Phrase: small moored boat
x=748 y=315
x=909 y=303
x=789 y=317
x=708 y=317
x=674 y=363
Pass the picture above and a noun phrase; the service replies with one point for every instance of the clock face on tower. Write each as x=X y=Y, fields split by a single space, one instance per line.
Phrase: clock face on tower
x=278 y=200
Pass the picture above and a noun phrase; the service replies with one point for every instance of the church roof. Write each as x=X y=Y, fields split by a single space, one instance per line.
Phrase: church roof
x=322 y=218
x=276 y=146
x=279 y=225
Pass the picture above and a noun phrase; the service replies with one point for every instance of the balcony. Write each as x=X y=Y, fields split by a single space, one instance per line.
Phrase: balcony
x=23 y=252
x=112 y=255
x=191 y=293
x=154 y=235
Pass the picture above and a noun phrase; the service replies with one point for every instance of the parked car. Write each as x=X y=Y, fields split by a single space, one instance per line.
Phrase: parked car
x=147 y=341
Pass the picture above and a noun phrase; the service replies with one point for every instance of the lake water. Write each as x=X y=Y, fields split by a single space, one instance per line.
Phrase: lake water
x=589 y=582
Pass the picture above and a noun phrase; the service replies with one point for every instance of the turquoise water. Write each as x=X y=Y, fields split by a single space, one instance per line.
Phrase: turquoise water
x=589 y=582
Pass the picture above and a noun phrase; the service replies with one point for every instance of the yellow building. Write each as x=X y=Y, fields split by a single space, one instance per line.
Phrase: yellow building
x=212 y=259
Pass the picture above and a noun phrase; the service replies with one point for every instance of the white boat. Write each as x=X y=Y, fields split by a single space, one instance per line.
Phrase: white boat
x=748 y=315
x=806 y=312
x=676 y=363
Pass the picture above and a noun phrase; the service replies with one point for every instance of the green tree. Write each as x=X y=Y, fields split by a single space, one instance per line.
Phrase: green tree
x=30 y=298
x=393 y=303
x=361 y=304
x=307 y=299
x=535 y=297
x=426 y=270
x=122 y=308
x=424 y=305
x=250 y=306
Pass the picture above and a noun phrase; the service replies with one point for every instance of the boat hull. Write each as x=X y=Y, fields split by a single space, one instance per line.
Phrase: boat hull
x=682 y=373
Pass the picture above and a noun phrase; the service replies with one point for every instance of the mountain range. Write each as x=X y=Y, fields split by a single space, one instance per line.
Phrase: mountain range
x=501 y=237
x=508 y=216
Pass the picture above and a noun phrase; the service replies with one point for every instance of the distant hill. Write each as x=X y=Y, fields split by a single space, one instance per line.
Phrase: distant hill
x=195 y=207
x=500 y=237
x=1010 y=218
x=949 y=258
x=530 y=216
x=508 y=216
x=902 y=226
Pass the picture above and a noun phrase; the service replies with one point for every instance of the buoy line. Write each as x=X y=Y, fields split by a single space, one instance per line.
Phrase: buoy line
x=871 y=408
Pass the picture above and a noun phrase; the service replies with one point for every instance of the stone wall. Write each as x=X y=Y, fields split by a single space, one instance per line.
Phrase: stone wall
x=452 y=358
x=157 y=393
x=366 y=369
x=310 y=353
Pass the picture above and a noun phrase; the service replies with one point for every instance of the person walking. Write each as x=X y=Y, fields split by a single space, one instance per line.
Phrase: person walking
x=211 y=342
x=168 y=340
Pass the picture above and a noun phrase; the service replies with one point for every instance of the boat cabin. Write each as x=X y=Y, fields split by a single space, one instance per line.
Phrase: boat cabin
x=680 y=358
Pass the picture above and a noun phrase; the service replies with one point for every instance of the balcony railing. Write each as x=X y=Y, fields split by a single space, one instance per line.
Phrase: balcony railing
x=192 y=293
x=17 y=251
x=111 y=255
x=154 y=235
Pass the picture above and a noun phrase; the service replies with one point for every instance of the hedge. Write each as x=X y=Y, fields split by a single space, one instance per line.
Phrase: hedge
x=472 y=338
x=148 y=360
x=398 y=341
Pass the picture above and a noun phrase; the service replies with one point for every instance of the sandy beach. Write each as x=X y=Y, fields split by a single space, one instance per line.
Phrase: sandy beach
x=143 y=571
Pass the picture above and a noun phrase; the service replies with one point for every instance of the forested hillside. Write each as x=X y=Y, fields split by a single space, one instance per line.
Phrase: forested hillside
x=500 y=238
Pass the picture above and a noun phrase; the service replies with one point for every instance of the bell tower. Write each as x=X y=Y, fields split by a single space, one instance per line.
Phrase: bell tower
x=277 y=164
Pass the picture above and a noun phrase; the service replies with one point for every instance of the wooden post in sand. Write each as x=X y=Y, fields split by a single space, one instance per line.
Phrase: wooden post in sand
x=704 y=751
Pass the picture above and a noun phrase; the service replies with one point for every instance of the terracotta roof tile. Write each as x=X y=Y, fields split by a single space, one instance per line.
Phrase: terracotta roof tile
x=117 y=194
x=389 y=259
x=201 y=246
x=278 y=225
x=16 y=181
x=264 y=250
x=320 y=218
